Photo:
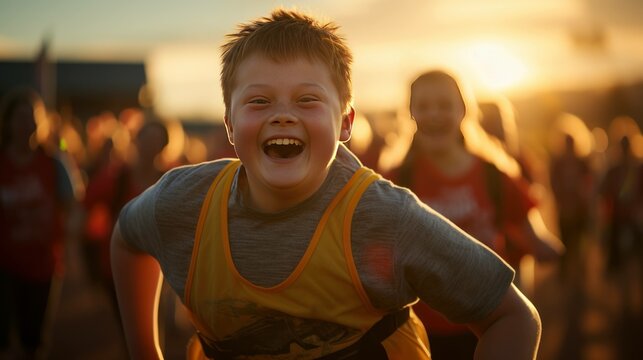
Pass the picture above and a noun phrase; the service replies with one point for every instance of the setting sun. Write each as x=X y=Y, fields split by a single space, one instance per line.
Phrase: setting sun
x=493 y=66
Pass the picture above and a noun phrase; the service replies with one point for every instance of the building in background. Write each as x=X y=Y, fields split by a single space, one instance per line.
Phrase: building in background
x=82 y=88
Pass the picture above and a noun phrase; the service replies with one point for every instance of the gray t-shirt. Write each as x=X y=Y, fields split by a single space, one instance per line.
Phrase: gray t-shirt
x=402 y=248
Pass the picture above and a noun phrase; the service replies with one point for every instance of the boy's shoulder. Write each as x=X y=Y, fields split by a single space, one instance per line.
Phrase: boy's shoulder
x=200 y=169
x=386 y=197
x=187 y=177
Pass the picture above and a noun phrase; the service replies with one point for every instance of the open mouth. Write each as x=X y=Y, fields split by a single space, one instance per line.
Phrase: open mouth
x=283 y=148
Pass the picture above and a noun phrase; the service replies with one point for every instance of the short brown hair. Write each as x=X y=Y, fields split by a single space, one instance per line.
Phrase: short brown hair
x=284 y=35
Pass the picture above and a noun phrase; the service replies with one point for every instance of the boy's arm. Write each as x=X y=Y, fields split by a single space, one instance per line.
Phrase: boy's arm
x=511 y=331
x=137 y=278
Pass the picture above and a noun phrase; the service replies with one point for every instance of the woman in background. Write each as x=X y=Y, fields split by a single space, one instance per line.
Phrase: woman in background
x=457 y=170
x=35 y=198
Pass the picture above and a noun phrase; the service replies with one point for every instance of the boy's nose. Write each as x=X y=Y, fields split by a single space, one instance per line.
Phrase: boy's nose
x=283 y=116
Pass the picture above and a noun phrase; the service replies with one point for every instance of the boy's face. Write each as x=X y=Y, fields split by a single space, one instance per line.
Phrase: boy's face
x=285 y=121
x=438 y=111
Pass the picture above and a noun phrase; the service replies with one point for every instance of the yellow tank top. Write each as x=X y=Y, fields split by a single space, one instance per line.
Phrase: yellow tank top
x=320 y=308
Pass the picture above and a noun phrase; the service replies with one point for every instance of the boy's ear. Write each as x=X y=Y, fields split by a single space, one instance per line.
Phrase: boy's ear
x=347 y=125
x=228 y=129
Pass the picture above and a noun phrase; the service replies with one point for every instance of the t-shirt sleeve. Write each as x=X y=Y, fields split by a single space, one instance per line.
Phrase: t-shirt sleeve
x=447 y=268
x=137 y=220
x=162 y=220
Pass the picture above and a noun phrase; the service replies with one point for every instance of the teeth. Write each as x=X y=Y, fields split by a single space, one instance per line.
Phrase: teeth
x=284 y=142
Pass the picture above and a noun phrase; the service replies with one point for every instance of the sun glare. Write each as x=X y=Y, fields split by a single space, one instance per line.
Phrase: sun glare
x=493 y=66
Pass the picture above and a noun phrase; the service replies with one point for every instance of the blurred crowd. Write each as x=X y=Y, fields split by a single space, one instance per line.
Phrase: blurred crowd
x=64 y=181
x=63 y=184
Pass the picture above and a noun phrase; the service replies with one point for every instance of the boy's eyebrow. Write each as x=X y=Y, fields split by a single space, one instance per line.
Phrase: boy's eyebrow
x=268 y=86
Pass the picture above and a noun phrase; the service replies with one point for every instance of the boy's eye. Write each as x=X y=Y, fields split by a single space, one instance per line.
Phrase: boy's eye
x=307 y=99
x=260 y=101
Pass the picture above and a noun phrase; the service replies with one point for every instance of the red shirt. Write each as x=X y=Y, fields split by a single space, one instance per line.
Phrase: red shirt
x=30 y=219
x=465 y=200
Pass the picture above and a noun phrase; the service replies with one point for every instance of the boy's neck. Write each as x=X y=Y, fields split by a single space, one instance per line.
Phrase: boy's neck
x=271 y=200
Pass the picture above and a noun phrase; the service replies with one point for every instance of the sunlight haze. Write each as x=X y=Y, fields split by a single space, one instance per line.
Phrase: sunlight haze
x=509 y=46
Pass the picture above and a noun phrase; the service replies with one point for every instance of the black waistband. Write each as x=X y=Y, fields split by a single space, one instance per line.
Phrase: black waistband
x=369 y=346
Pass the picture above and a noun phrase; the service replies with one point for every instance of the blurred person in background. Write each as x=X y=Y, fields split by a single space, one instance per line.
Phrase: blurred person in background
x=454 y=167
x=98 y=142
x=36 y=195
x=59 y=136
x=571 y=180
x=134 y=158
x=118 y=180
x=621 y=224
x=621 y=201
x=498 y=119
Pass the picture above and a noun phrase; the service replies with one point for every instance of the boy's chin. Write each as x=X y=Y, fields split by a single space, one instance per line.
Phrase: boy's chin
x=291 y=175
x=285 y=181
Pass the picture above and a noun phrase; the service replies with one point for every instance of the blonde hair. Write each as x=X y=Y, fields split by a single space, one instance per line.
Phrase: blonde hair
x=284 y=35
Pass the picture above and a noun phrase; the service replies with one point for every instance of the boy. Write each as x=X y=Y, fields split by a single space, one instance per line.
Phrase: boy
x=296 y=250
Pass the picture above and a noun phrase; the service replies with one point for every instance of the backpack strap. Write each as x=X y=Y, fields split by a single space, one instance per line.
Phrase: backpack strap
x=493 y=182
x=369 y=346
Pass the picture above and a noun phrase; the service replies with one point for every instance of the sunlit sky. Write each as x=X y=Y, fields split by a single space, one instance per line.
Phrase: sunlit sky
x=508 y=46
